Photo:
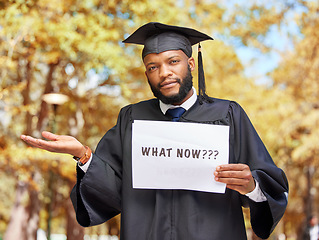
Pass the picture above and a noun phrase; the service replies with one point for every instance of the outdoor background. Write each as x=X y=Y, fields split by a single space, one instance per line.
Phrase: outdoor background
x=265 y=56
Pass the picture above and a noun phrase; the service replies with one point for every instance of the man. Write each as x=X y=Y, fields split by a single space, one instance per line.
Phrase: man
x=104 y=179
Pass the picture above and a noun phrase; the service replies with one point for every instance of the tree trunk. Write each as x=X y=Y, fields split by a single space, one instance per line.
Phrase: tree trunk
x=19 y=215
x=48 y=88
x=24 y=221
x=33 y=210
x=26 y=99
x=303 y=231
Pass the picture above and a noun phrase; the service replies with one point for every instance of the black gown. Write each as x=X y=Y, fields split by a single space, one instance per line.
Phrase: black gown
x=105 y=190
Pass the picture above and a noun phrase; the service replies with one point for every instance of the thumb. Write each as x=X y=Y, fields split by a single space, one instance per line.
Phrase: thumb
x=50 y=136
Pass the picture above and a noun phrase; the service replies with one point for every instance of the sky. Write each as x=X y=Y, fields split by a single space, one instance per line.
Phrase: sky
x=257 y=64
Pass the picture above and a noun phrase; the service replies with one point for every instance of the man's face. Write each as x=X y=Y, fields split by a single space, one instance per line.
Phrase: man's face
x=169 y=75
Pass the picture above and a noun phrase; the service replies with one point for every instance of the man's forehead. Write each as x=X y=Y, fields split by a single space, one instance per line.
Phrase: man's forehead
x=162 y=56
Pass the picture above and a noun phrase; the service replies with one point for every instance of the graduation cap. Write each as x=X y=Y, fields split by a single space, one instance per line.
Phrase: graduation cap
x=157 y=37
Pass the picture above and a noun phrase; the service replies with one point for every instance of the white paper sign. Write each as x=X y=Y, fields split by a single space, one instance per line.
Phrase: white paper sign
x=177 y=155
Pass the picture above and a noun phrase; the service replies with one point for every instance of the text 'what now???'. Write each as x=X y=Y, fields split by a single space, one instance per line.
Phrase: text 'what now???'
x=179 y=152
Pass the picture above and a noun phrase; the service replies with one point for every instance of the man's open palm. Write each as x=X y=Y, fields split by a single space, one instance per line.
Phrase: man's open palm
x=56 y=143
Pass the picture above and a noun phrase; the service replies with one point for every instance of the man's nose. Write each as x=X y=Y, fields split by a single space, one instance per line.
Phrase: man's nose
x=165 y=71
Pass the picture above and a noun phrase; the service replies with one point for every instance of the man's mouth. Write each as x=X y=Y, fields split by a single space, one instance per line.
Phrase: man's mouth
x=168 y=83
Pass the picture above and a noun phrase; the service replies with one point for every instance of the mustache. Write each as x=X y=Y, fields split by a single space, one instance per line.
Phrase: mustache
x=178 y=80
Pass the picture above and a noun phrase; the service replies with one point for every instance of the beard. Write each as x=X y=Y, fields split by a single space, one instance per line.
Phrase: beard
x=186 y=85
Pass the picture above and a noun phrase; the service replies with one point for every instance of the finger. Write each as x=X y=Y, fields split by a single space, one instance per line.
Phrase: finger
x=50 y=136
x=28 y=139
x=230 y=167
x=51 y=146
x=238 y=185
x=31 y=141
x=233 y=174
x=233 y=181
x=39 y=143
x=242 y=185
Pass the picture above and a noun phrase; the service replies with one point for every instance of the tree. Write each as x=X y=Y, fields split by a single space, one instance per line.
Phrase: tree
x=74 y=47
x=298 y=76
x=63 y=46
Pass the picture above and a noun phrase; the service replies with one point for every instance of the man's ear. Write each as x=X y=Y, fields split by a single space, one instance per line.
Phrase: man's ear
x=191 y=63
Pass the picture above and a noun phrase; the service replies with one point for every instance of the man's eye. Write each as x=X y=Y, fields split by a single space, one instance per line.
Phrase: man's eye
x=151 y=68
x=174 y=61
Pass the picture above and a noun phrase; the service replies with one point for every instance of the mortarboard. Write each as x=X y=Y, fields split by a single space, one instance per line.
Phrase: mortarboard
x=157 y=37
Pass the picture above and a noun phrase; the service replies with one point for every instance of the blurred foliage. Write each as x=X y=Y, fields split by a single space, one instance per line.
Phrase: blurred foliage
x=74 y=47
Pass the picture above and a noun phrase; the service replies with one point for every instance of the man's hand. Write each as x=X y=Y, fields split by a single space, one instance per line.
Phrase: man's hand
x=237 y=177
x=57 y=143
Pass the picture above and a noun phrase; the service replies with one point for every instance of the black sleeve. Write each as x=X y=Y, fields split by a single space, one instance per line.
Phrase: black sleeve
x=96 y=197
x=249 y=149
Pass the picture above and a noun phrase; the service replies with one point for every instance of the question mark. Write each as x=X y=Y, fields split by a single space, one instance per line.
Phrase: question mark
x=205 y=152
x=216 y=154
x=210 y=153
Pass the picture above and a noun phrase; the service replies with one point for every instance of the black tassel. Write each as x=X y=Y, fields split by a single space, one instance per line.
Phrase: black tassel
x=201 y=79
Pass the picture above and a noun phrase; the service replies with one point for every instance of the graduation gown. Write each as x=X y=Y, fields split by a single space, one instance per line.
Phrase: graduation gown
x=105 y=190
